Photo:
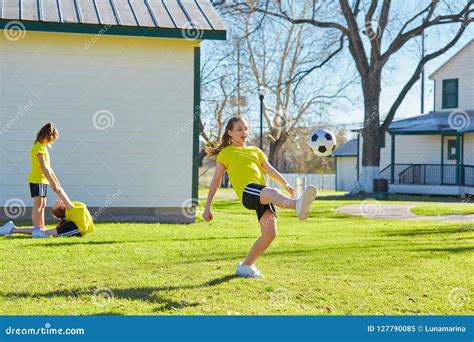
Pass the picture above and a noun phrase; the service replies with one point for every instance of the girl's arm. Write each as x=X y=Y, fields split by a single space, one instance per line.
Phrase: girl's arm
x=49 y=174
x=64 y=197
x=273 y=173
x=215 y=183
x=55 y=178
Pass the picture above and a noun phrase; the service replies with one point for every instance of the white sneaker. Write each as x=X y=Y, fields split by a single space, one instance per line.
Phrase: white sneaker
x=7 y=228
x=303 y=203
x=38 y=233
x=248 y=271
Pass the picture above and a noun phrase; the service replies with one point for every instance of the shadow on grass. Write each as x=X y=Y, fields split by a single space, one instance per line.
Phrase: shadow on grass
x=425 y=231
x=67 y=241
x=253 y=237
x=293 y=252
x=145 y=294
x=448 y=250
x=74 y=243
x=394 y=197
x=109 y=313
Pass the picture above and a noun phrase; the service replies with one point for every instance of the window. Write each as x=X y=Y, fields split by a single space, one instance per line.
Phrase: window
x=450 y=93
x=451 y=149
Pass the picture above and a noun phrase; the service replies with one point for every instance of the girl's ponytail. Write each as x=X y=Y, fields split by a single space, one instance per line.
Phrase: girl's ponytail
x=226 y=138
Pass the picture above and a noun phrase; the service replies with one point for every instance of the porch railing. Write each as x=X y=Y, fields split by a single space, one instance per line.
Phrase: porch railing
x=469 y=175
x=429 y=174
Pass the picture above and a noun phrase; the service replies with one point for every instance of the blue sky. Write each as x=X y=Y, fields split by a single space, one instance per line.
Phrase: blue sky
x=396 y=73
x=404 y=63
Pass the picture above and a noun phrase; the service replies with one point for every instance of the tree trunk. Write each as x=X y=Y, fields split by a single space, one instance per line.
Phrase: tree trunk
x=371 y=134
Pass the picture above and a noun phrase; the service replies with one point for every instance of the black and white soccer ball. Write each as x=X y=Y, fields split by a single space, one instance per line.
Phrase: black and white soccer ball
x=322 y=142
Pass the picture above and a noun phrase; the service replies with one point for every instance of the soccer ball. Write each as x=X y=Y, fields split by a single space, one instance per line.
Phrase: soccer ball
x=322 y=142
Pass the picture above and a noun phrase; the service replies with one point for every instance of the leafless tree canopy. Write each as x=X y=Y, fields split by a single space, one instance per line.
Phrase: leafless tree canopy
x=279 y=55
x=374 y=32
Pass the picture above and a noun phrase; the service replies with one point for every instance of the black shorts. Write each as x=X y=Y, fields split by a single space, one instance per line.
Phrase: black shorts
x=251 y=200
x=68 y=228
x=38 y=190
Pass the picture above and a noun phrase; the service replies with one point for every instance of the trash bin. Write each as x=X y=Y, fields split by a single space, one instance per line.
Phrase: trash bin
x=300 y=185
x=380 y=185
x=381 y=189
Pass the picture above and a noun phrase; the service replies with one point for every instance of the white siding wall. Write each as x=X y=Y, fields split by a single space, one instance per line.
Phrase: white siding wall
x=469 y=149
x=147 y=85
x=385 y=153
x=346 y=173
x=421 y=149
x=461 y=67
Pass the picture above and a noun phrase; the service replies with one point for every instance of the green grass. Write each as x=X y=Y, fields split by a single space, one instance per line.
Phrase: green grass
x=443 y=210
x=329 y=264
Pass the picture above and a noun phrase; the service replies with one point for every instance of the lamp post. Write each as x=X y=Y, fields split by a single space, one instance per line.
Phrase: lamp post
x=261 y=95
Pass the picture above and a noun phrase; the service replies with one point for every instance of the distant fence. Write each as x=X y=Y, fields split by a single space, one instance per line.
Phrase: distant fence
x=321 y=181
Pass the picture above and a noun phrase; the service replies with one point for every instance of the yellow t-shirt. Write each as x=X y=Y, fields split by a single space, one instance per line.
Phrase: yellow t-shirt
x=36 y=175
x=81 y=216
x=243 y=165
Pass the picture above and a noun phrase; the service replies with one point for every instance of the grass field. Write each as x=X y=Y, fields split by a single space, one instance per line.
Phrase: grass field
x=329 y=264
x=442 y=210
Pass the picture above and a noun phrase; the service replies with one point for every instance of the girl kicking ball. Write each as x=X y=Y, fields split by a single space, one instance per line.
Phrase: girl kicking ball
x=245 y=166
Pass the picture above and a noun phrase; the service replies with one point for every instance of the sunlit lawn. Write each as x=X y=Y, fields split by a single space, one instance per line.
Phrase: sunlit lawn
x=329 y=264
x=440 y=210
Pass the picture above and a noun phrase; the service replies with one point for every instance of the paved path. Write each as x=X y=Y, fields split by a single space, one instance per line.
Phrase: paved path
x=377 y=210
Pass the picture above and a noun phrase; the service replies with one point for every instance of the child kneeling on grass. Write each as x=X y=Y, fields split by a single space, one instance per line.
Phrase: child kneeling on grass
x=75 y=220
x=245 y=166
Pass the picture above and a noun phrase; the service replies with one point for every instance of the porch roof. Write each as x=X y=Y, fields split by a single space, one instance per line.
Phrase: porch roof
x=446 y=122
x=348 y=149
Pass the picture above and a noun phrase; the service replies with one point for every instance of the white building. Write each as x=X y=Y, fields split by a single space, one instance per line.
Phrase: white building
x=434 y=153
x=121 y=81
x=346 y=165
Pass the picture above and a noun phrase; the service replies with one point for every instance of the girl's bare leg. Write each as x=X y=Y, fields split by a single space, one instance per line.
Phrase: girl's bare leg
x=272 y=195
x=42 y=224
x=35 y=212
x=268 y=227
x=29 y=231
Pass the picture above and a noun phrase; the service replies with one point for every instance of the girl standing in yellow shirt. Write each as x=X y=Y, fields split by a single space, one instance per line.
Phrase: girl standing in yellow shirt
x=245 y=166
x=41 y=173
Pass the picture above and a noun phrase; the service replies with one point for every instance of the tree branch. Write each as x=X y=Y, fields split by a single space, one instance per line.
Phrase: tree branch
x=300 y=75
x=355 y=43
x=415 y=76
x=370 y=12
x=402 y=38
x=247 y=8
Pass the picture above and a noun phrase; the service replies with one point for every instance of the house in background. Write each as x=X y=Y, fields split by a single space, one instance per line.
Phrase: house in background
x=121 y=81
x=434 y=153
x=346 y=165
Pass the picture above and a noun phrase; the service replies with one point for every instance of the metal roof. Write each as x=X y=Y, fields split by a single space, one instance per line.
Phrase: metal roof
x=163 y=14
x=348 y=149
x=455 y=121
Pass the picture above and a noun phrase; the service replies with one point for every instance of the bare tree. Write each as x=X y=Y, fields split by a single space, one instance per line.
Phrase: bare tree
x=219 y=83
x=364 y=25
x=274 y=53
